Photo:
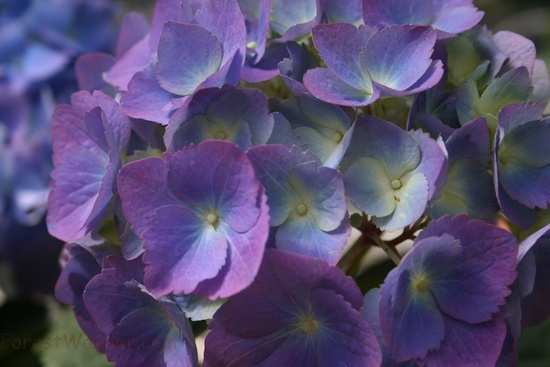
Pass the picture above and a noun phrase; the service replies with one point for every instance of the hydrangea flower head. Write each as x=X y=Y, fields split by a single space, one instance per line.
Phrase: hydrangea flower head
x=392 y=174
x=298 y=312
x=202 y=216
x=450 y=289
x=307 y=202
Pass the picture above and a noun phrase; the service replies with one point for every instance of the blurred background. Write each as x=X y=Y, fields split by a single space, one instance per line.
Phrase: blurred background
x=40 y=41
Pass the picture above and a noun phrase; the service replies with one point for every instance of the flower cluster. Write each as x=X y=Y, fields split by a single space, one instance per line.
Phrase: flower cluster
x=215 y=167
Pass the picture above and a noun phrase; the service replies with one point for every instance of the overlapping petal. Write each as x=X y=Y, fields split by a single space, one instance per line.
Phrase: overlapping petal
x=452 y=285
x=360 y=66
x=314 y=322
x=306 y=201
x=202 y=216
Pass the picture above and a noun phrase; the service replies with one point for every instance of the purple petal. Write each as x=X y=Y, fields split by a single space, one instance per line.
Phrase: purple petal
x=467 y=345
x=520 y=50
x=411 y=200
x=146 y=99
x=369 y=187
x=381 y=13
x=526 y=184
x=148 y=336
x=245 y=255
x=187 y=55
x=225 y=21
x=293 y=20
x=196 y=251
x=109 y=299
x=134 y=27
x=328 y=87
x=272 y=164
x=142 y=188
x=303 y=236
x=455 y=20
x=513 y=115
x=471 y=141
x=541 y=83
x=76 y=184
x=343 y=12
x=69 y=128
x=90 y=69
x=433 y=159
x=419 y=315
x=69 y=289
x=401 y=66
x=333 y=41
x=168 y=10
x=129 y=64
x=219 y=177
x=486 y=270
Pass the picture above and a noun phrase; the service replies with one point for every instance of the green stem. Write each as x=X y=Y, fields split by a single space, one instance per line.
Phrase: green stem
x=389 y=250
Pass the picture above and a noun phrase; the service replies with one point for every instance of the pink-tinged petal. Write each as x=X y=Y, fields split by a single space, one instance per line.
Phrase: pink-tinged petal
x=225 y=21
x=134 y=27
x=146 y=99
x=187 y=55
x=520 y=50
x=90 y=69
x=401 y=66
x=326 y=86
x=340 y=46
x=456 y=20
x=69 y=128
x=137 y=58
x=168 y=10
x=197 y=251
x=76 y=184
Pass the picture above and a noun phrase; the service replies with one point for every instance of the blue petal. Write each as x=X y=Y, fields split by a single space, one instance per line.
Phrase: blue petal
x=188 y=55
x=411 y=201
x=302 y=236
